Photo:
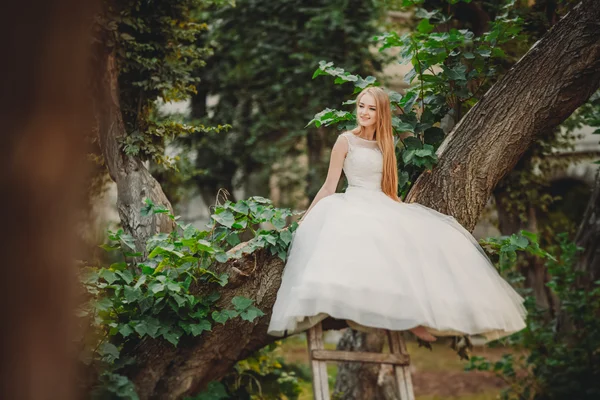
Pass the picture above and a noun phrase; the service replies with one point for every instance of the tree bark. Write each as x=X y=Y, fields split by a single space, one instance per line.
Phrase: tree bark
x=356 y=381
x=535 y=95
x=588 y=236
x=134 y=181
x=538 y=93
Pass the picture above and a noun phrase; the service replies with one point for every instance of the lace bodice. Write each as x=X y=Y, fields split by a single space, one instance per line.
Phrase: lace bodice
x=363 y=165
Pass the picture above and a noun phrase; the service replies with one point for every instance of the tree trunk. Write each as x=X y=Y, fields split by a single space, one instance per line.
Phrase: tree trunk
x=43 y=114
x=134 y=181
x=531 y=267
x=535 y=95
x=356 y=381
x=588 y=235
x=538 y=93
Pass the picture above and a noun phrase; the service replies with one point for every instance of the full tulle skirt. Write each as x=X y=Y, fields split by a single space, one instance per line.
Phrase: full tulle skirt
x=377 y=263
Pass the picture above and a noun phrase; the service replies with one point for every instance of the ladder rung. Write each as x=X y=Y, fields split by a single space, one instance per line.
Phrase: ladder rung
x=358 y=356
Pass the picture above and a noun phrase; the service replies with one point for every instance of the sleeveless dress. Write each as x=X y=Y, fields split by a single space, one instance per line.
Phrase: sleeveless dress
x=375 y=262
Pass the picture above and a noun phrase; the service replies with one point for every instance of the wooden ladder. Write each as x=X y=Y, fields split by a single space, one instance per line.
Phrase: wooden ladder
x=398 y=357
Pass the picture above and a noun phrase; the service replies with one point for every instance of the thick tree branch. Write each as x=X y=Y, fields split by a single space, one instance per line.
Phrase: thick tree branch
x=558 y=74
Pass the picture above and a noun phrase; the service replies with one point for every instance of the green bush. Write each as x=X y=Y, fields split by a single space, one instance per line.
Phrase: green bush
x=561 y=357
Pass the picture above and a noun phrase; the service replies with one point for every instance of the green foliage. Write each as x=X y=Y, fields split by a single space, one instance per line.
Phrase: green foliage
x=111 y=385
x=259 y=76
x=157 y=51
x=451 y=70
x=560 y=358
x=264 y=375
x=172 y=292
x=506 y=247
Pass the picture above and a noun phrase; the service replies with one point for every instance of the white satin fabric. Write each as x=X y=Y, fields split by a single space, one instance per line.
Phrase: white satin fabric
x=362 y=257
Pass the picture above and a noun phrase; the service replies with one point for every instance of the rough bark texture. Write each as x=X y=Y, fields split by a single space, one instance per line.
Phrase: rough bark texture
x=42 y=112
x=541 y=90
x=357 y=381
x=537 y=94
x=134 y=181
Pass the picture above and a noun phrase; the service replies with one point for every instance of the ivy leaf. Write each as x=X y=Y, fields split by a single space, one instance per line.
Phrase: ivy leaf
x=278 y=222
x=148 y=326
x=171 y=336
x=241 y=303
x=413 y=143
x=126 y=275
x=282 y=254
x=214 y=391
x=211 y=298
x=233 y=239
x=200 y=327
x=222 y=279
x=118 y=266
x=424 y=26
x=109 y=352
x=270 y=239
x=189 y=231
x=146 y=303
x=156 y=287
x=204 y=245
x=286 y=236
x=110 y=247
x=241 y=207
x=408 y=155
x=179 y=299
x=519 y=241
x=125 y=330
x=108 y=276
x=222 y=316
x=128 y=241
x=140 y=281
x=146 y=269
x=104 y=304
x=225 y=218
x=132 y=294
x=251 y=313
x=241 y=223
x=221 y=257
x=173 y=287
x=434 y=136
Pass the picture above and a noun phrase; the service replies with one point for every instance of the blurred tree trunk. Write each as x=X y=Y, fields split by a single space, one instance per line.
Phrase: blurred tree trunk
x=356 y=381
x=43 y=114
x=537 y=94
x=532 y=268
x=134 y=181
x=588 y=235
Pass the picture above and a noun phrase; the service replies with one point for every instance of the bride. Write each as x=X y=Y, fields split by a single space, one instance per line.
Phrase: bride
x=366 y=257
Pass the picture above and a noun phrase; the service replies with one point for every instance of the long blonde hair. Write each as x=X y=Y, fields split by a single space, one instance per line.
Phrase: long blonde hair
x=385 y=139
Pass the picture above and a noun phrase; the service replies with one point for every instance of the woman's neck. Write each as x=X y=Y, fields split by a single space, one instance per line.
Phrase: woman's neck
x=367 y=132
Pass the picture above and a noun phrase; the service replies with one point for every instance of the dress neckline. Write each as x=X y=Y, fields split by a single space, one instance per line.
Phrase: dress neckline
x=366 y=140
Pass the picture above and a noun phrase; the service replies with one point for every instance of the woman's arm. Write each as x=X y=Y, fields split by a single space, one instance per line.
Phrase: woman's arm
x=336 y=162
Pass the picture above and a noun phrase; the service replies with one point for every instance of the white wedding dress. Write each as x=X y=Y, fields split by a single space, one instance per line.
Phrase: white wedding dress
x=365 y=258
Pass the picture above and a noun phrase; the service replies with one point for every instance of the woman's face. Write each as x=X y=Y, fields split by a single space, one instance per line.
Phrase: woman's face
x=366 y=111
